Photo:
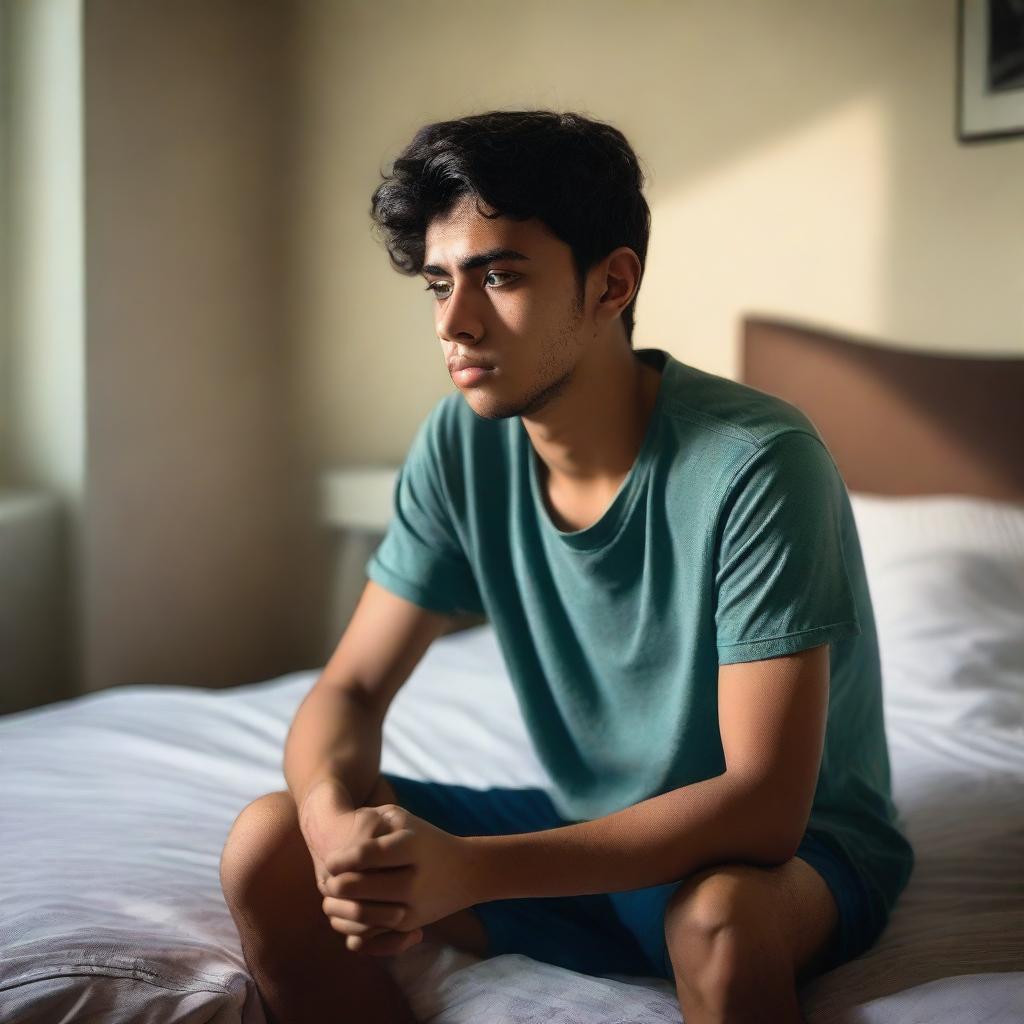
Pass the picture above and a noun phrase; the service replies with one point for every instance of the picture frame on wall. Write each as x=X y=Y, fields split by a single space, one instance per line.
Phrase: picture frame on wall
x=990 y=90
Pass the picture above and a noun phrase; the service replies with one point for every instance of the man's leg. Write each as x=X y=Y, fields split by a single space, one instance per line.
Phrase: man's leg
x=303 y=970
x=741 y=938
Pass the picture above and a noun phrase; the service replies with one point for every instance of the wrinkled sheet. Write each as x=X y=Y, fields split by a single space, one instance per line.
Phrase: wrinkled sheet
x=114 y=809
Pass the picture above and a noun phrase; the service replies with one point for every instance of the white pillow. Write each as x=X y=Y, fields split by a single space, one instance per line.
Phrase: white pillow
x=946 y=575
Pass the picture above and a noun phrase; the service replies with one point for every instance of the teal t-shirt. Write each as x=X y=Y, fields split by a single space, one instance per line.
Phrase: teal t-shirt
x=731 y=539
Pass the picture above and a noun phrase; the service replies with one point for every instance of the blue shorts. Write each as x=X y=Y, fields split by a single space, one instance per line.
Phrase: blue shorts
x=618 y=932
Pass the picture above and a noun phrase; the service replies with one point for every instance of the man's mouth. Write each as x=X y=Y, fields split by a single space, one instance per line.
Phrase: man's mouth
x=470 y=374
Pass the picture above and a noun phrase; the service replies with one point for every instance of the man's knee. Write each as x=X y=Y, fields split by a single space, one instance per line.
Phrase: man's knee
x=711 y=924
x=693 y=914
x=263 y=846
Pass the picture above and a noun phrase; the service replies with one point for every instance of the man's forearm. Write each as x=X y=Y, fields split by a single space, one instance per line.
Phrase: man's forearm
x=333 y=736
x=659 y=840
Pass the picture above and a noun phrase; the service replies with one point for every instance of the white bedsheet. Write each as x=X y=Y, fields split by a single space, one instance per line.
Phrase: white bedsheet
x=114 y=809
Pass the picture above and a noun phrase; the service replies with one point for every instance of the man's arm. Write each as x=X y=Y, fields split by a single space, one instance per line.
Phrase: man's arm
x=336 y=732
x=772 y=717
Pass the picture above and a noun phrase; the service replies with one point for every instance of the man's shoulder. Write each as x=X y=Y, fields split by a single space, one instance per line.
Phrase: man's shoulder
x=729 y=411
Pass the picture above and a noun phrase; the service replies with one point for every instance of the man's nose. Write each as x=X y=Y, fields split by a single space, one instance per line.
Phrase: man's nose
x=460 y=319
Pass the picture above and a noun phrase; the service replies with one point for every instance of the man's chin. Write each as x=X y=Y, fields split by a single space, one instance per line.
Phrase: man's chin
x=485 y=403
x=488 y=408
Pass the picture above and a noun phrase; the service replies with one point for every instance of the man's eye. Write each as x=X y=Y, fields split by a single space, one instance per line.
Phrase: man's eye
x=500 y=273
x=442 y=289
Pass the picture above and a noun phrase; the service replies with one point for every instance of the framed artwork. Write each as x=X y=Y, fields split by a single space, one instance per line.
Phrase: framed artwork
x=990 y=90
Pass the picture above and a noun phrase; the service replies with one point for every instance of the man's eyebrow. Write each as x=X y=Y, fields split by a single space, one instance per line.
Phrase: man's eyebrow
x=480 y=259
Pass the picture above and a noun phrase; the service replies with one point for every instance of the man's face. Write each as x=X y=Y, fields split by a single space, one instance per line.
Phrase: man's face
x=514 y=312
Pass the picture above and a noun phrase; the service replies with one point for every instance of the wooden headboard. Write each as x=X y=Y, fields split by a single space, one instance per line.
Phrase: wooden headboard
x=897 y=422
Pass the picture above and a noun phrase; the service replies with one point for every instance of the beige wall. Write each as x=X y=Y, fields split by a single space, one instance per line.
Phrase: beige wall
x=207 y=321
x=145 y=384
x=802 y=161
x=197 y=517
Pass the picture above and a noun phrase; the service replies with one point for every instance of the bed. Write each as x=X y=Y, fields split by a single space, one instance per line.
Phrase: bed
x=115 y=806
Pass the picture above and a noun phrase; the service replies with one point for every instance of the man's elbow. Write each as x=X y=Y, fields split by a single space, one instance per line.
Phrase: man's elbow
x=778 y=832
x=785 y=848
x=775 y=848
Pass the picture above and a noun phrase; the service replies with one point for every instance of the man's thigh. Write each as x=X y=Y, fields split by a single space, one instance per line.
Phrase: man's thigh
x=581 y=933
x=625 y=932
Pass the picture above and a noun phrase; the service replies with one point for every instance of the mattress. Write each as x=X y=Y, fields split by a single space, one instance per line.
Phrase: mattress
x=115 y=807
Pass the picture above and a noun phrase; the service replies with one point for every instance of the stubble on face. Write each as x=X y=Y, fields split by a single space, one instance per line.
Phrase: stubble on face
x=554 y=373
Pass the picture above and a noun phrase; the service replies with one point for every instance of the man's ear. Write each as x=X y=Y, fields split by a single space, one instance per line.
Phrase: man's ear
x=617 y=278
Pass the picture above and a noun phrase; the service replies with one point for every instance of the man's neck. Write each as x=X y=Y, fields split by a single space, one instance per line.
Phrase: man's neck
x=588 y=438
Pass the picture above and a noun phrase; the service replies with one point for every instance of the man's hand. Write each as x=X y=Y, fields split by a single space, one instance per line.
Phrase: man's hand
x=328 y=824
x=398 y=871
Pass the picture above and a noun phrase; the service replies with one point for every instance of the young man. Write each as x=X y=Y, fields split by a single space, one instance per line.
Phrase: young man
x=671 y=566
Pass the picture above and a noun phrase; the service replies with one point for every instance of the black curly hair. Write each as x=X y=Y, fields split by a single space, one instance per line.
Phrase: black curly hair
x=579 y=176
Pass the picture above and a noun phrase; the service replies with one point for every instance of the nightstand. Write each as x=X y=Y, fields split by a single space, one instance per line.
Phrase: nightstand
x=356 y=506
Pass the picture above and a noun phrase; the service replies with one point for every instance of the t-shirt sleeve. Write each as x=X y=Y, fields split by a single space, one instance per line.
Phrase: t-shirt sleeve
x=780 y=571
x=421 y=557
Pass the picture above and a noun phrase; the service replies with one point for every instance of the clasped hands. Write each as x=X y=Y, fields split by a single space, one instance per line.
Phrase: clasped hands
x=393 y=874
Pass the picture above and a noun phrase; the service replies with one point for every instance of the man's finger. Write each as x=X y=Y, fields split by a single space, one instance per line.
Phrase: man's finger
x=386 y=943
x=366 y=913
x=346 y=927
x=387 y=851
x=389 y=885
